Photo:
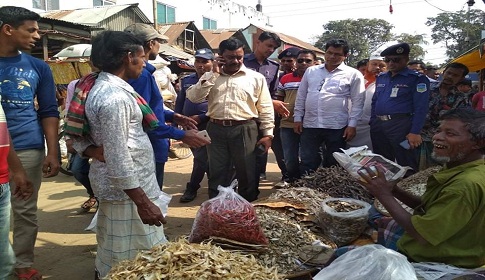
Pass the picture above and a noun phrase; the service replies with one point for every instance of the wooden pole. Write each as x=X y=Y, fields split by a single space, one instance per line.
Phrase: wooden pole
x=155 y=19
x=45 y=49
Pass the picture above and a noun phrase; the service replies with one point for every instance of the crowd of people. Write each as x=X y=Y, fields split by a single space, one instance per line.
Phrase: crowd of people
x=303 y=109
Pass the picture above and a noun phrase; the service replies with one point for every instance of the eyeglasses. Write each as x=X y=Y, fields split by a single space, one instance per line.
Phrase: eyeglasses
x=328 y=53
x=301 y=60
x=393 y=59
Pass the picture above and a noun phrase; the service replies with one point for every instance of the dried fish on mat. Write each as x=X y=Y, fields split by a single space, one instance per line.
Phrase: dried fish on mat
x=286 y=238
x=335 y=182
x=308 y=197
x=414 y=184
x=183 y=261
x=343 y=219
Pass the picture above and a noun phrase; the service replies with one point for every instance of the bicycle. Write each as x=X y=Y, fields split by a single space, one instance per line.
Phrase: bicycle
x=177 y=149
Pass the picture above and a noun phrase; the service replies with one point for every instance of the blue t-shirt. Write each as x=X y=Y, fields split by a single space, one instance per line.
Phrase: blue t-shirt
x=146 y=86
x=23 y=79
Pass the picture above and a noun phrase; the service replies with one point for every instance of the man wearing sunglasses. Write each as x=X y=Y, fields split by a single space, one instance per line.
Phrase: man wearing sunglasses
x=287 y=91
x=399 y=108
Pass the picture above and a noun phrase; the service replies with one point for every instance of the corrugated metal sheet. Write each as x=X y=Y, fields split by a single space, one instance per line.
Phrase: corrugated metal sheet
x=167 y=50
x=214 y=37
x=94 y=16
x=173 y=30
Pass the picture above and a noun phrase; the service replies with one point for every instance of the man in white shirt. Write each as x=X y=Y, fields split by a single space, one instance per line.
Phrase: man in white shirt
x=322 y=113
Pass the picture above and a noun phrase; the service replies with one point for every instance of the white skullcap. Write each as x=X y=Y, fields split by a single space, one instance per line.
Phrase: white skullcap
x=376 y=54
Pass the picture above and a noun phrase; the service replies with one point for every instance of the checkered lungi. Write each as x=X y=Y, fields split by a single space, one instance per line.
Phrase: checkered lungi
x=121 y=234
x=388 y=233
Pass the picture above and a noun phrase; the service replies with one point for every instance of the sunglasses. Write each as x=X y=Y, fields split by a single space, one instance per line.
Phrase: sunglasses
x=394 y=59
x=301 y=60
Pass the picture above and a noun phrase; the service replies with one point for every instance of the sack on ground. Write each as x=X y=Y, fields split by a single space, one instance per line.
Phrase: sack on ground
x=374 y=262
x=230 y=216
x=343 y=219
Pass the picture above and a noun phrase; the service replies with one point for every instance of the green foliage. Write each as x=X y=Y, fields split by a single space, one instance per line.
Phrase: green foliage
x=414 y=41
x=460 y=31
x=363 y=36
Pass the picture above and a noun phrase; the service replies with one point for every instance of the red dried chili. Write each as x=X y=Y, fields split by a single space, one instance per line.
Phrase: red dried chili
x=230 y=216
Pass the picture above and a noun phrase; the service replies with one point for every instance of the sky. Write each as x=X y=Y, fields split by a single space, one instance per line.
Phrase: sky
x=304 y=18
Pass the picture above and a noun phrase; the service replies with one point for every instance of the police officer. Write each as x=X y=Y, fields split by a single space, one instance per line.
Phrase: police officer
x=288 y=60
x=204 y=58
x=399 y=108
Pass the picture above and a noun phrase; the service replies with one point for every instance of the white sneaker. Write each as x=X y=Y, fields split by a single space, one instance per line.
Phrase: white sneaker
x=281 y=184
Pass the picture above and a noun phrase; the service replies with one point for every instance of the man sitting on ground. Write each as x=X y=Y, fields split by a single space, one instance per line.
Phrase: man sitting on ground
x=448 y=224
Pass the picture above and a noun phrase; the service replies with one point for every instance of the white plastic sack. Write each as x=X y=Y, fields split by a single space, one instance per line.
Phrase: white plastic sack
x=343 y=227
x=374 y=262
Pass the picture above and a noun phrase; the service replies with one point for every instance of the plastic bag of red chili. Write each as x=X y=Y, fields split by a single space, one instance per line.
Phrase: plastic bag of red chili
x=227 y=215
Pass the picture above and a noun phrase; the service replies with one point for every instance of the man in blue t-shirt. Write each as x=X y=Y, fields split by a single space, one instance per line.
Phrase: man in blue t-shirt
x=24 y=80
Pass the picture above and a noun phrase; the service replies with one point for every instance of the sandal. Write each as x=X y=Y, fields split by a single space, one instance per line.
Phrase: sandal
x=31 y=274
x=90 y=203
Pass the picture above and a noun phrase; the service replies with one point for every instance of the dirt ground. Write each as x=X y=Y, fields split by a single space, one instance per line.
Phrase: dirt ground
x=64 y=250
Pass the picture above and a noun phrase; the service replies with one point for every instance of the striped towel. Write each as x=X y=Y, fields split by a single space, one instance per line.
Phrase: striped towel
x=76 y=121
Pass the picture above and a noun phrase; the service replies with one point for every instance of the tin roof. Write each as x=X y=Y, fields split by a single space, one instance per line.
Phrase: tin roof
x=214 y=37
x=92 y=16
x=173 y=30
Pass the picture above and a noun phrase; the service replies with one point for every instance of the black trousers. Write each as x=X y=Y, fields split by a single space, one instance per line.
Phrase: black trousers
x=277 y=147
x=233 y=146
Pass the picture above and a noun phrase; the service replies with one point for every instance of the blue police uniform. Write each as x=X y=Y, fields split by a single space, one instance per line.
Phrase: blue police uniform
x=399 y=107
x=186 y=107
x=270 y=70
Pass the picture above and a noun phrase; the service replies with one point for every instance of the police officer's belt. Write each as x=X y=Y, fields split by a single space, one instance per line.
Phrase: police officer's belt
x=229 y=122
x=392 y=117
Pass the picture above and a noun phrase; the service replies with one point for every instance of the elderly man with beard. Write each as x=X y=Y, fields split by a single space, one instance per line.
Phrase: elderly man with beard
x=448 y=224
x=375 y=66
x=236 y=96
x=442 y=98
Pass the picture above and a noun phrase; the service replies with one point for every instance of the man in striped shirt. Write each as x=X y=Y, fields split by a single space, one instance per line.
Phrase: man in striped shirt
x=286 y=92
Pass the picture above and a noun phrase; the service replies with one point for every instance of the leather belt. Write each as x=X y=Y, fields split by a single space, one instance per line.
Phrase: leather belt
x=229 y=122
x=392 y=117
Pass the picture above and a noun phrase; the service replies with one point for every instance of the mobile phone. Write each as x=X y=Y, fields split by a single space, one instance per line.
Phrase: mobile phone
x=260 y=149
x=204 y=134
x=405 y=144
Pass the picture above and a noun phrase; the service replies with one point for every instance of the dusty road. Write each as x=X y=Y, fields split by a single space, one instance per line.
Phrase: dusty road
x=64 y=250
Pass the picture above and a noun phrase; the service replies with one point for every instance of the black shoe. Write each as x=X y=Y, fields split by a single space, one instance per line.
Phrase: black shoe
x=188 y=196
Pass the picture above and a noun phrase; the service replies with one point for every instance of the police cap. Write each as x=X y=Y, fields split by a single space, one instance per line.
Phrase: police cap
x=398 y=49
x=289 y=52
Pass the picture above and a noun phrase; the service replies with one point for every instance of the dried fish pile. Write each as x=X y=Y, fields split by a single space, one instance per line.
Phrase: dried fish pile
x=335 y=182
x=310 y=198
x=286 y=238
x=183 y=261
x=342 y=219
x=415 y=184
x=420 y=177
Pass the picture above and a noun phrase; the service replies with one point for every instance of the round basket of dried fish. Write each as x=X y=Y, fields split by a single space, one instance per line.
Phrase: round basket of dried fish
x=343 y=219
